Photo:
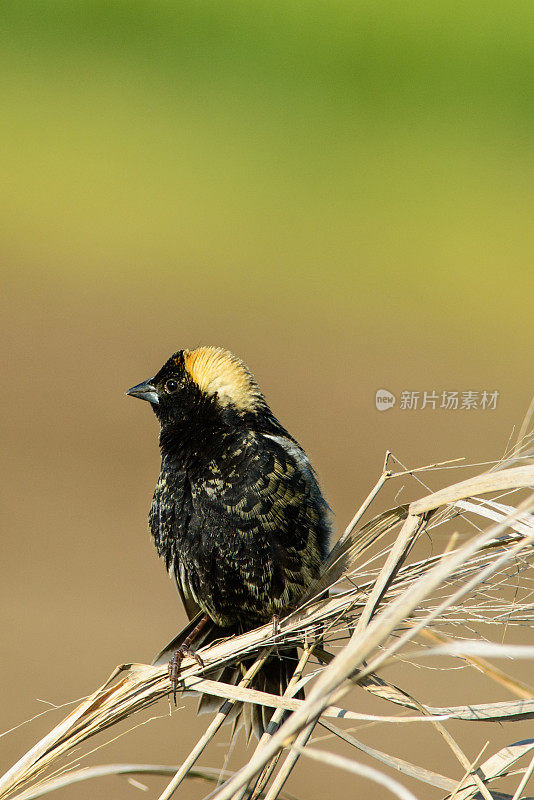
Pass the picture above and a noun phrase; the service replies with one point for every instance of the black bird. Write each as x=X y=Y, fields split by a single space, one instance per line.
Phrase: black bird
x=237 y=513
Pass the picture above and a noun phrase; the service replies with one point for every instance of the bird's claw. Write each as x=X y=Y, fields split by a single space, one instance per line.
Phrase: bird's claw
x=175 y=664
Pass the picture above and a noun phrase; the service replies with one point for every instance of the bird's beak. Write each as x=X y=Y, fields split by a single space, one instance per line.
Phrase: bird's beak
x=145 y=391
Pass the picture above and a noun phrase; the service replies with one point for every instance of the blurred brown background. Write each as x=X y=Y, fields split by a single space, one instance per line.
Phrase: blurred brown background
x=342 y=194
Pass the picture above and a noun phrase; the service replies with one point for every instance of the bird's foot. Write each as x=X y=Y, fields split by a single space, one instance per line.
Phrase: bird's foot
x=175 y=664
x=275 y=622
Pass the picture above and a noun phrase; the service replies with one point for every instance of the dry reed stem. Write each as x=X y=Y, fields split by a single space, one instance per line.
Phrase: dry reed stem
x=525 y=780
x=515 y=478
x=526 y=425
x=208 y=774
x=469 y=771
x=290 y=761
x=411 y=527
x=462 y=758
x=398 y=764
x=276 y=719
x=497 y=765
x=519 y=688
x=361 y=770
x=212 y=729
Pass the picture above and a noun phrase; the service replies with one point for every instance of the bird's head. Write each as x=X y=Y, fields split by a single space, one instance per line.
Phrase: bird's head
x=207 y=380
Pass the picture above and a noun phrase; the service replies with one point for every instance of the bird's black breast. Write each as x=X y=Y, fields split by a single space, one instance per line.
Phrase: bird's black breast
x=246 y=533
x=170 y=512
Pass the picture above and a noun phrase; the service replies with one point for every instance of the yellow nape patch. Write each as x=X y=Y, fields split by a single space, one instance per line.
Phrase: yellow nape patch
x=217 y=371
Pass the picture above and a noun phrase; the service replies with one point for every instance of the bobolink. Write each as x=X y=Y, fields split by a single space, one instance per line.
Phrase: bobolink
x=237 y=513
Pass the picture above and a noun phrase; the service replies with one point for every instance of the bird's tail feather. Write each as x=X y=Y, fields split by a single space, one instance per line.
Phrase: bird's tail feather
x=273 y=678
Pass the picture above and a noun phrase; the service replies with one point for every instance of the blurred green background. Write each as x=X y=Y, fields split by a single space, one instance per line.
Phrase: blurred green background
x=340 y=192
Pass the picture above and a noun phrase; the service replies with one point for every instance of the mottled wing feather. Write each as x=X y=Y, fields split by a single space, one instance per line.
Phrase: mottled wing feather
x=259 y=535
x=191 y=607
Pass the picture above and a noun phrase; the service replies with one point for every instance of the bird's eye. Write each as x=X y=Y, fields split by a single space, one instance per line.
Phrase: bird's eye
x=171 y=386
